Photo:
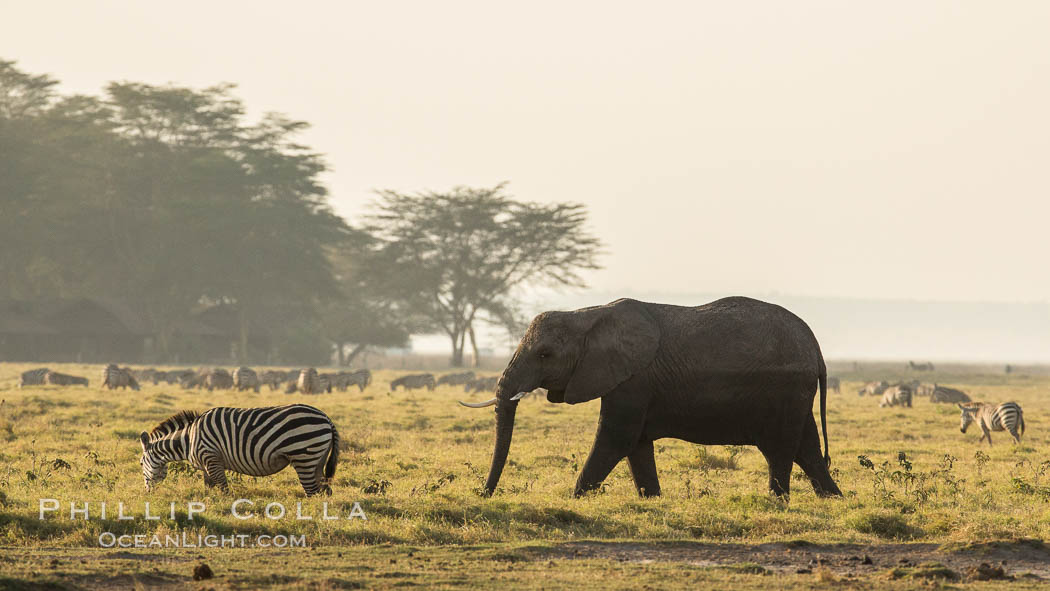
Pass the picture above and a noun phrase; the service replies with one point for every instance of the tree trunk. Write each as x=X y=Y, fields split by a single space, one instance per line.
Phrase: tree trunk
x=243 y=353
x=339 y=349
x=357 y=350
x=457 y=350
x=474 y=346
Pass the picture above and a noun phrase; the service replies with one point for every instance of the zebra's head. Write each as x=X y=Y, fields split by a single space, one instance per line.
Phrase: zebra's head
x=968 y=416
x=154 y=467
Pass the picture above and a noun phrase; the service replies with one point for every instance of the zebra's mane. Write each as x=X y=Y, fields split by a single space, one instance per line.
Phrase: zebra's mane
x=174 y=423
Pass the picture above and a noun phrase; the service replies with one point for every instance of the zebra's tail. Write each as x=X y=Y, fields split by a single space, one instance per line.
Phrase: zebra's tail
x=823 y=380
x=1020 y=420
x=333 y=455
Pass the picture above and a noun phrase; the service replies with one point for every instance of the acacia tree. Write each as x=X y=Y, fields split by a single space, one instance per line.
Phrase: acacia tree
x=368 y=313
x=450 y=257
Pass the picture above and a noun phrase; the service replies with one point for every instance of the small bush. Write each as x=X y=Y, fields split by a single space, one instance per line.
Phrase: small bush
x=888 y=526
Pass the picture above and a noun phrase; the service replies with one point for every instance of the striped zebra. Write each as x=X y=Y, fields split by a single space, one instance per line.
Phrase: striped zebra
x=273 y=379
x=873 y=388
x=482 y=384
x=190 y=381
x=456 y=379
x=899 y=395
x=920 y=389
x=946 y=394
x=310 y=382
x=218 y=379
x=245 y=378
x=148 y=374
x=414 y=381
x=118 y=377
x=1004 y=417
x=60 y=379
x=360 y=378
x=175 y=376
x=252 y=441
x=33 y=377
x=834 y=384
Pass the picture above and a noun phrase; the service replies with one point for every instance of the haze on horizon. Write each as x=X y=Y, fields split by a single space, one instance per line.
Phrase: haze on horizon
x=816 y=148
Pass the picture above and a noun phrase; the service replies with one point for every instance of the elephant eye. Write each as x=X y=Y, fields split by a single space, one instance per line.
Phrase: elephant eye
x=544 y=353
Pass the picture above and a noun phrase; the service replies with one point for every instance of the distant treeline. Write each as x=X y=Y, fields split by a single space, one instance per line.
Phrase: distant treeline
x=169 y=202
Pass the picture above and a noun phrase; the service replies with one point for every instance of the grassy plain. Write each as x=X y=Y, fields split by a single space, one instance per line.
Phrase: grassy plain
x=924 y=495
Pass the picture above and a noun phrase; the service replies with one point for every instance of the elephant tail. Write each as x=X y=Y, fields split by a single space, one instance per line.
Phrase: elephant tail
x=823 y=380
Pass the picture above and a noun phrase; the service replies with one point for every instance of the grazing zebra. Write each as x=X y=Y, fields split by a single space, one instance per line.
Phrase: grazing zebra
x=245 y=378
x=873 y=388
x=456 y=379
x=252 y=441
x=193 y=380
x=33 y=377
x=482 y=384
x=273 y=379
x=899 y=395
x=920 y=366
x=414 y=381
x=61 y=379
x=218 y=379
x=360 y=378
x=310 y=382
x=834 y=384
x=946 y=394
x=145 y=375
x=920 y=389
x=176 y=376
x=118 y=377
x=1004 y=417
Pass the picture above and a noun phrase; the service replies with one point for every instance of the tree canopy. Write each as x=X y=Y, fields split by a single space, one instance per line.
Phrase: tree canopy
x=169 y=201
x=166 y=199
x=453 y=258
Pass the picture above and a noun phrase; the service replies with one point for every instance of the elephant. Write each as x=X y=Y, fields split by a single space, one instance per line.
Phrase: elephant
x=736 y=371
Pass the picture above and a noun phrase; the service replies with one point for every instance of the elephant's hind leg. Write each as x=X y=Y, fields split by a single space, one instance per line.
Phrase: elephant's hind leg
x=643 y=468
x=812 y=462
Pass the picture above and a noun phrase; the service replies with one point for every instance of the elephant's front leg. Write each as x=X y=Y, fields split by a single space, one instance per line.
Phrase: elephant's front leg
x=619 y=429
x=643 y=468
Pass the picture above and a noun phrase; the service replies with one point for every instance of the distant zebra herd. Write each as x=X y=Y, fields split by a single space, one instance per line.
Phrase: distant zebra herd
x=1007 y=416
x=305 y=381
x=901 y=393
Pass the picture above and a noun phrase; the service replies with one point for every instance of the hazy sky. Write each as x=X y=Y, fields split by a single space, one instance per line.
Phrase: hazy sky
x=890 y=149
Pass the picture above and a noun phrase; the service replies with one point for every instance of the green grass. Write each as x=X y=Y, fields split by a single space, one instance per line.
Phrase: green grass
x=417 y=461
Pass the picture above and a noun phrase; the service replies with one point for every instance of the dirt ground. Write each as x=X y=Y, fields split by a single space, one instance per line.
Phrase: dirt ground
x=1026 y=558
x=568 y=565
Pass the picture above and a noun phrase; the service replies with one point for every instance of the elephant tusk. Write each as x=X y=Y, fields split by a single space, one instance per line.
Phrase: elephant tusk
x=479 y=404
x=519 y=396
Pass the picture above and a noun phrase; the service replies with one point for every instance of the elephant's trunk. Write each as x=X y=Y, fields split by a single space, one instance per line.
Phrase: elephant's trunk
x=504 y=430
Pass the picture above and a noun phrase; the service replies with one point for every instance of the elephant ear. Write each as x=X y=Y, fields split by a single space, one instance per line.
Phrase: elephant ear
x=621 y=341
